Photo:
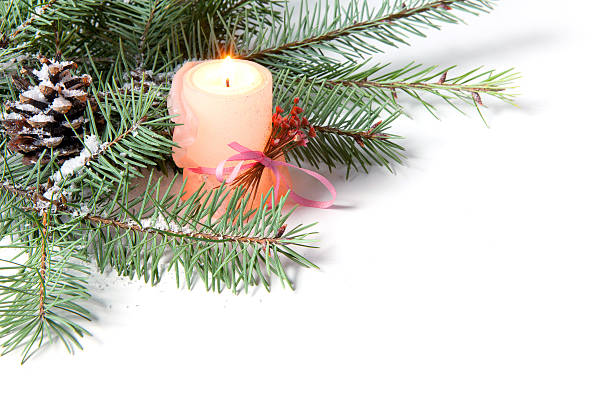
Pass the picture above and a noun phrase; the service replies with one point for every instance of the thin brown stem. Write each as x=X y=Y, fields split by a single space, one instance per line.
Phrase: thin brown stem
x=193 y=235
x=143 y=37
x=116 y=140
x=35 y=196
x=417 y=85
x=29 y=192
x=129 y=226
x=358 y=135
x=42 y=10
x=359 y=26
x=43 y=268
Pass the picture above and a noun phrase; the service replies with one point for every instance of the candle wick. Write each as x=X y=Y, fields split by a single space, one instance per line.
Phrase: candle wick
x=227 y=82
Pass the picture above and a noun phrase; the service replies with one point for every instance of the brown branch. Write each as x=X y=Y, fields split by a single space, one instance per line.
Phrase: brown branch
x=30 y=20
x=36 y=196
x=196 y=235
x=43 y=268
x=116 y=140
x=360 y=26
x=143 y=37
x=37 y=201
x=29 y=192
x=358 y=135
x=416 y=85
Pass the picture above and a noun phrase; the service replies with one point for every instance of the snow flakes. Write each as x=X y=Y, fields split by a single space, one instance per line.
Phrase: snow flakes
x=51 y=141
x=43 y=74
x=27 y=108
x=73 y=93
x=11 y=116
x=35 y=94
x=159 y=222
x=40 y=119
x=92 y=147
x=61 y=105
x=75 y=124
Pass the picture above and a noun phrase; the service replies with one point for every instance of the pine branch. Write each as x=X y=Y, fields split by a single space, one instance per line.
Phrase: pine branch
x=43 y=267
x=341 y=29
x=357 y=135
x=29 y=192
x=415 y=80
x=143 y=37
x=53 y=215
x=39 y=301
x=109 y=145
x=130 y=226
x=351 y=125
x=38 y=12
x=430 y=87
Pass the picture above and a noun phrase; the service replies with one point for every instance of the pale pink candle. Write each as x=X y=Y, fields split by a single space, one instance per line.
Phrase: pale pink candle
x=219 y=102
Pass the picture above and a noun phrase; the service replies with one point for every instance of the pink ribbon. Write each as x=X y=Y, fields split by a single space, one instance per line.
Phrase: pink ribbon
x=274 y=165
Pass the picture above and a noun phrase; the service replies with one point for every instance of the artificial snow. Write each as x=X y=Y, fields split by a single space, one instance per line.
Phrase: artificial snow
x=48 y=84
x=60 y=102
x=39 y=132
x=11 y=116
x=70 y=166
x=35 y=94
x=27 y=108
x=73 y=93
x=43 y=74
x=160 y=223
x=41 y=118
x=51 y=141
x=74 y=124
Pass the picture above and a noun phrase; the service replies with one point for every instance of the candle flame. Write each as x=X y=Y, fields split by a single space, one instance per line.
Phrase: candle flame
x=227 y=65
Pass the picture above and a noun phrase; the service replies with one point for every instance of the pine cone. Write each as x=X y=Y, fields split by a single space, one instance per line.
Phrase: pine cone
x=49 y=115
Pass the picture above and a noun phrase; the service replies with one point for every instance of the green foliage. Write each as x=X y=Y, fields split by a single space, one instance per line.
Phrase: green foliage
x=233 y=247
x=113 y=212
x=42 y=286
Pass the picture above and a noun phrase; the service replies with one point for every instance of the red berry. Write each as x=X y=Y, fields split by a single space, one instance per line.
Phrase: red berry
x=311 y=132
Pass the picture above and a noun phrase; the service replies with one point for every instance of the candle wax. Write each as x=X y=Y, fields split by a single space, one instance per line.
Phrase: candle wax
x=226 y=77
x=213 y=114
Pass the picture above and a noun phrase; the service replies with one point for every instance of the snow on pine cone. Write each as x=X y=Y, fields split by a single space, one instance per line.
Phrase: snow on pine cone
x=49 y=116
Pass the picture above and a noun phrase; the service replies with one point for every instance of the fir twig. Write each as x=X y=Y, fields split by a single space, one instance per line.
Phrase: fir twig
x=43 y=266
x=424 y=13
x=420 y=86
x=261 y=240
x=109 y=145
x=132 y=49
x=357 y=135
x=38 y=12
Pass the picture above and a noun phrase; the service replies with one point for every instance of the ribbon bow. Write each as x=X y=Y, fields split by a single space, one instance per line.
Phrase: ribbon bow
x=274 y=165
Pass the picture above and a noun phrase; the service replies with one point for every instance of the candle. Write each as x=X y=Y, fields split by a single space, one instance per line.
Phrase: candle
x=220 y=102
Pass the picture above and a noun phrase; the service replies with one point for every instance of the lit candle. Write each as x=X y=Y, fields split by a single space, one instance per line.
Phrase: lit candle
x=220 y=102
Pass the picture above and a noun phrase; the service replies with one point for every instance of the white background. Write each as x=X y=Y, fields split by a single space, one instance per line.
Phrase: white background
x=477 y=276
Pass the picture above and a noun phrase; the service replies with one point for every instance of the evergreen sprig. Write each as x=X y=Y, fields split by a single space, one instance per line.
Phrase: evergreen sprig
x=114 y=212
x=355 y=30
